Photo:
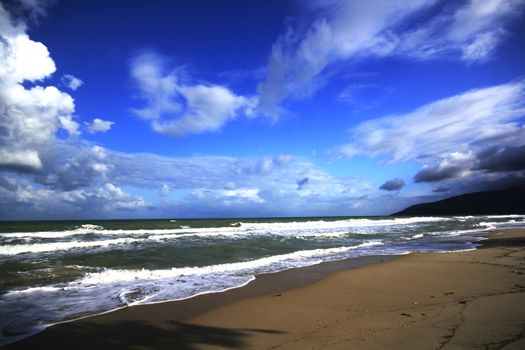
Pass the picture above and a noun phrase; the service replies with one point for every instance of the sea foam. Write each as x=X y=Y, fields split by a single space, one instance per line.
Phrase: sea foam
x=57 y=246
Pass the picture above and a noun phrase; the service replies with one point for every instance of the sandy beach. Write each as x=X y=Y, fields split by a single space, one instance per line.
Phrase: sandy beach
x=463 y=300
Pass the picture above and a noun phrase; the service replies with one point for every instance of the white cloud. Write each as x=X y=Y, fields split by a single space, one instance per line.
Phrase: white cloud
x=481 y=46
x=175 y=108
x=251 y=194
x=29 y=118
x=165 y=190
x=259 y=166
x=22 y=58
x=67 y=123
x=208 y=108
x=99 y=125
x=478 y=16
x=474 y=29
x=115 y=198
x=283 y=159
x=475 y=119
x=228 y=197
x=346 y=31
x=71 y=81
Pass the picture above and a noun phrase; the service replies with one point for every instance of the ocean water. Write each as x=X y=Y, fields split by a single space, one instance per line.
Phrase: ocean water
x=56 y=271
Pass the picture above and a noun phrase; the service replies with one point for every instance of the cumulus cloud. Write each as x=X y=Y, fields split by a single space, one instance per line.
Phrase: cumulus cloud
x=176 y=108
x=475 y=119
x=99 y=125
x=22 y=58
x=22 y=160
x=115 y=198
x=393 y=185
x=67 y=123
x=71 y=81
x=29 y=117
x=77 y=166
x=48 y=173
x=18 y=197
x=342 y=30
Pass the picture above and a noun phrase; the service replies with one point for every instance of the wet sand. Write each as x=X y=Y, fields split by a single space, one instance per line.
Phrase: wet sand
x=463 y=300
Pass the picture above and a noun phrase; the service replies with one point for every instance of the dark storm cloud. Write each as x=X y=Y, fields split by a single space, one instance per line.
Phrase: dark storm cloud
x=494 y=166
x=439 y=172
x=301 y=183
x=497 y=159
x=441 y=189
x=393 y=185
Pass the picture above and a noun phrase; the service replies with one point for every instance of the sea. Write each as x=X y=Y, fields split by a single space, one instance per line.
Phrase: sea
x=54 y=271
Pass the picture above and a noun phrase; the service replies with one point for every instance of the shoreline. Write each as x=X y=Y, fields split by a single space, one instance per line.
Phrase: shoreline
x=184 y=309
x=205 y=312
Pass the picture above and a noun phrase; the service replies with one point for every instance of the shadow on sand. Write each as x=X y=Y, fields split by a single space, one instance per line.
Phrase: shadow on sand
x=138 y=335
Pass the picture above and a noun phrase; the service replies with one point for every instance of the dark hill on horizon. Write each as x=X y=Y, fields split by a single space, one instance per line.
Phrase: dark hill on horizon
x=498 y=202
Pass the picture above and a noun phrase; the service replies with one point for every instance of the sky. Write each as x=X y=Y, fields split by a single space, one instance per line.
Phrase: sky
x=189 y=109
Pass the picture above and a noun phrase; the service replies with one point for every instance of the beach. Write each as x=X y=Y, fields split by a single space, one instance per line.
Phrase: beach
x=294 y=174
x=461 y=300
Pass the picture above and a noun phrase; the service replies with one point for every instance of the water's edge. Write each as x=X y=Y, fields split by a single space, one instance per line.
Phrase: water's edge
x=264 y=284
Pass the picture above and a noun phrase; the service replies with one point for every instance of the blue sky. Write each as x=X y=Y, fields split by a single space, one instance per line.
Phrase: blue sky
x=146 y=109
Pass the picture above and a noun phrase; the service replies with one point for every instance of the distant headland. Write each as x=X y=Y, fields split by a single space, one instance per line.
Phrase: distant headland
x=498 y=202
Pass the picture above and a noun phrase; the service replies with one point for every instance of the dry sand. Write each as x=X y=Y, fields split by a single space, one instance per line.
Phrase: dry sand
x=464 y=300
